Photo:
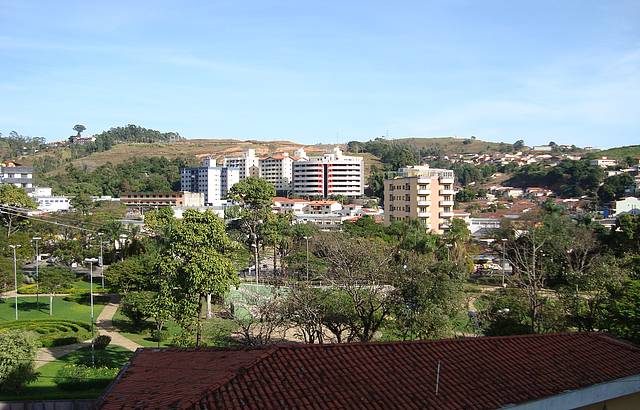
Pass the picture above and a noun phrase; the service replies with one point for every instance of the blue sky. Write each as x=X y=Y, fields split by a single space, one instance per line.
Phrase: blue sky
x=325 y=71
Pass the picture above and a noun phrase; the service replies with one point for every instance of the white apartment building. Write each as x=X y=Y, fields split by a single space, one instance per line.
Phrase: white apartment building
x=423 y=193
x=328 y=175
x=247 y=164
x=278 y=169
x=211 y=180
x=15 y=174
x=629 y=205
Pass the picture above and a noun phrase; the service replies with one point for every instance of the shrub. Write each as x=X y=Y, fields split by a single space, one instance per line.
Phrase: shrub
x=101 y=342
x=78 y=376
x=159 y=336
x=136 y=306
x=17 y=353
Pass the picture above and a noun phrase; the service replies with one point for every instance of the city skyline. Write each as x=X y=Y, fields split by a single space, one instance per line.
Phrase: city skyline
x=331 y=73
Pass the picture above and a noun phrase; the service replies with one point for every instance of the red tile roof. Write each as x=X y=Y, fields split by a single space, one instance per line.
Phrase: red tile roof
x=475 y=373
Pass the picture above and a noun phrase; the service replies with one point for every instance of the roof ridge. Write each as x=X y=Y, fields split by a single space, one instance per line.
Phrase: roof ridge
x=268 y=351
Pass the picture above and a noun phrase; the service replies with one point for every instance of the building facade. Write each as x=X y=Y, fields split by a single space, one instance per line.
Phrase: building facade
x=421 y=193
x=332 y=174
x=209 y=179
x=156 y=199
x=278 y=170
x=15 y=174
x=247 y=164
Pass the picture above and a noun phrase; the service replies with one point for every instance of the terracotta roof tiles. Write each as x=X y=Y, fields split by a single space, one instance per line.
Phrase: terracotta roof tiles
x=475 y=373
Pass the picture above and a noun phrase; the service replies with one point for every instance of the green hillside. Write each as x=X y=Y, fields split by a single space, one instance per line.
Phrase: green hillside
x=619 y=152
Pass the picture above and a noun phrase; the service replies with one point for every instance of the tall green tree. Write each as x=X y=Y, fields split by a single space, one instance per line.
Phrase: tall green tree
x=12 y=198
x=254 y=196
x=53 y=279
x=196 y=263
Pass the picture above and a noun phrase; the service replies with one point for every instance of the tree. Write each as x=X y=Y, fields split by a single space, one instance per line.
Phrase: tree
x=254 y=197
x=53 y=279
x=6 y=273
x=14 y=200
x=363 y=269
x=136 y=273
x=623 y=312
x=428 y=298
x=614 y=187
x=136 y=306
x=518 y=145
x=17 y=354
x=82 y=202
x=524 y=254
x=196 y=263
x=79 y=128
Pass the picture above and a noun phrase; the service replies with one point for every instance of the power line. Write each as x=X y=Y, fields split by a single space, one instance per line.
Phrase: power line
x=59 y=218
x=30 y=217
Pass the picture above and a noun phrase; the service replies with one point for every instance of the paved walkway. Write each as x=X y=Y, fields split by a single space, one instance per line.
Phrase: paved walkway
x=104 y=325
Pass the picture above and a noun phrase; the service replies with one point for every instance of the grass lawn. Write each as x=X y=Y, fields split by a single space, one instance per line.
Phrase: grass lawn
x=216 y=331
x=77 y=287
x=77 y=308
x=143 y=336
x=45 y=388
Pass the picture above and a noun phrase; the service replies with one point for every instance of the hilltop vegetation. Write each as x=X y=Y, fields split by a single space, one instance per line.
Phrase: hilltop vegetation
x=619 y=153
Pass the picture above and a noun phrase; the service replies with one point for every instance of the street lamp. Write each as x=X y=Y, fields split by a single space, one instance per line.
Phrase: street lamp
x=36 y=239
x=91 y=261
x=504 y=257
x=448 y=245
x=306 y=238
x=101 y=260
x=15 y=274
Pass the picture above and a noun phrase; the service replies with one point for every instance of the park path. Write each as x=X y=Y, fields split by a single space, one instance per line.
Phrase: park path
x=104 y=326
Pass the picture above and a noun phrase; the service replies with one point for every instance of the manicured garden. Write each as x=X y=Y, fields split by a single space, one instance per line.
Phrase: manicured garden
x=71 y=376
x=76 y=307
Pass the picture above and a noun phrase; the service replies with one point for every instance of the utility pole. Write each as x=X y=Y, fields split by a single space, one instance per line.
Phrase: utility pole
x=36 y=239
x=91 y=261
x=307 y=239
x=15 y=274
x=101 y=260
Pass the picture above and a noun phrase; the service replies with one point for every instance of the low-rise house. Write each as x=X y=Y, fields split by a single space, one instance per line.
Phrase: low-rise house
x=53 y=203
x=604 y=162
x=541 y=371
x=289 y=205
x=629 y=205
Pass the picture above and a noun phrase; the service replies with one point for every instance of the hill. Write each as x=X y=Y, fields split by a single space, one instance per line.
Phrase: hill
x=454 y=145
x=195 y=148
x=618 y=152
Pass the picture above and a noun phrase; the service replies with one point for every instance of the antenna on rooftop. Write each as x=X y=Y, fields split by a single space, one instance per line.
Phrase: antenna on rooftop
x=438 y=378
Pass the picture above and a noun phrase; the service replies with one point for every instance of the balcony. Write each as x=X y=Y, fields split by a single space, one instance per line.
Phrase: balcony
x=424 y=192
x=446 y=214
x=446 y=202
x=424 y=203
x=447 y=192
x=424 y=214
x=446 y=180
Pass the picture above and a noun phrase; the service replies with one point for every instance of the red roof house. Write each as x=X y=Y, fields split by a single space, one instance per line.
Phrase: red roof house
x=537 y=371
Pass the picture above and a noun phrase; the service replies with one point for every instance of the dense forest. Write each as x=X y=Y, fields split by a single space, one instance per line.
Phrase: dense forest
x=567 y=179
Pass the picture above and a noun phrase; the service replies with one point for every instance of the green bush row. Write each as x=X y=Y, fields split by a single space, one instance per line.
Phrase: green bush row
x=78 y=376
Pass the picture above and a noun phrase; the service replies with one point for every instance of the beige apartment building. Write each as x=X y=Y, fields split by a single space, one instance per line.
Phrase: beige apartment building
x=421 y=193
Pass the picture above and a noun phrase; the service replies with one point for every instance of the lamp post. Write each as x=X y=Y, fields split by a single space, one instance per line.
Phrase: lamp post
x=36 y=239
x=504 y=257
x=15 y=274
x=449 y=251
x=306 y=238
x=101 y=261
x=91 y=261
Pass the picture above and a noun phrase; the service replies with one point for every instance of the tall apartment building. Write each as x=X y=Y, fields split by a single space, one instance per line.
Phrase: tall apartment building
x=421 y=193
x=211 y=180
x=331 y=174
x=247 y=164
x=278 y=169
x=15 y=174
